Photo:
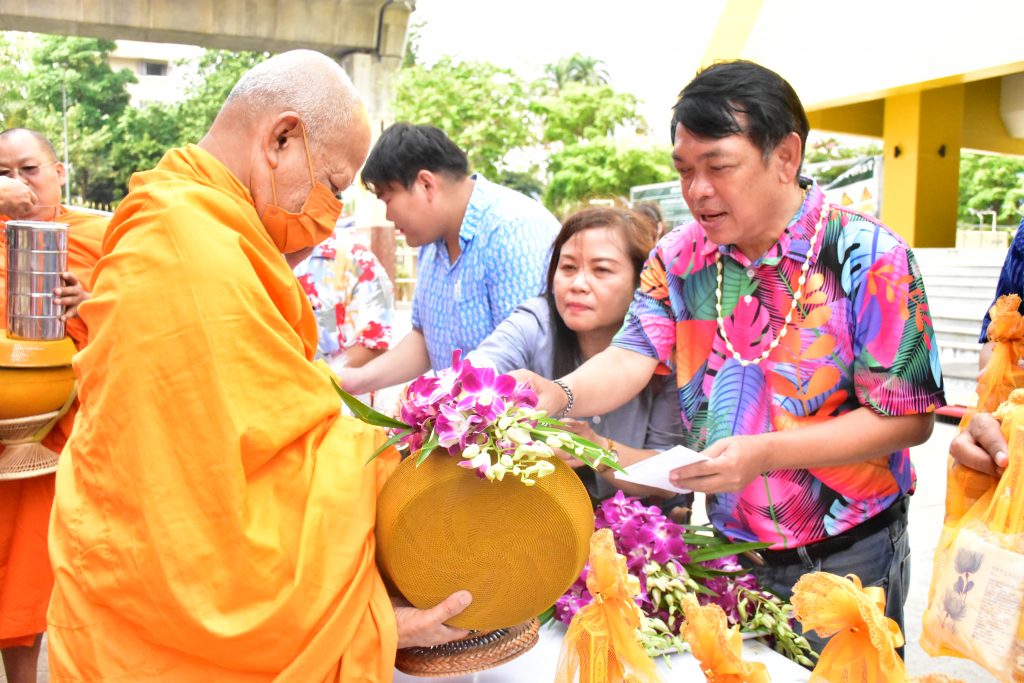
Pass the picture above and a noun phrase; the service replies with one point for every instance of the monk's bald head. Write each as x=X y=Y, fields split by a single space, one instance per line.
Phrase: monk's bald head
x=291 y=122
x=43 y=142
x=28 y=156
x=304 y=81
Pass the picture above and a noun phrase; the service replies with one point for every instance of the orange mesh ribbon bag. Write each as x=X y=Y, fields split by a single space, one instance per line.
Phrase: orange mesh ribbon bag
x=863 y=641
x=976 y=599
x=717 y=647
x=603 y=643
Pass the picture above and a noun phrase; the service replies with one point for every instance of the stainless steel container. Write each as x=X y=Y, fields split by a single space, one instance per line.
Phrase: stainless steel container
x=37 y=253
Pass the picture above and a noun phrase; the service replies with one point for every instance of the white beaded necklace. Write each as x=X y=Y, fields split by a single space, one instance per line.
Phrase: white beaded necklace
x=797 y=295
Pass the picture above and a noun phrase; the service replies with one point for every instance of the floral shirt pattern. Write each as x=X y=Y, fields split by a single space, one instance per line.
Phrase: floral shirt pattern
x=862 y=336
x=351 y=296
x=1011 y=277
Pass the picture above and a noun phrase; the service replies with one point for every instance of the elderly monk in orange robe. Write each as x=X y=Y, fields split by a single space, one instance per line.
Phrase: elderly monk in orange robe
x=31 y=178
x=215 y=512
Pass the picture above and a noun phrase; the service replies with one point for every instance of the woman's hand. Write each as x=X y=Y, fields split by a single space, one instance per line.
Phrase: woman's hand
x=579 y=428
x=425 y=627
x=70 y=295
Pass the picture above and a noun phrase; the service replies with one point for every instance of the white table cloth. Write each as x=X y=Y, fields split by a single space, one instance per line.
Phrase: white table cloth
x=538 y=664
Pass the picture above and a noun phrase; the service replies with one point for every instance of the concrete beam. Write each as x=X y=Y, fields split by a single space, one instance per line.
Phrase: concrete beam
x=334 y=27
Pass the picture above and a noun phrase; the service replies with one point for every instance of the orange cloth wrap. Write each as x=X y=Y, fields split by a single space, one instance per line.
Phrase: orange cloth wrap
x=213 y=517
x=602 y=643
x=25 y=576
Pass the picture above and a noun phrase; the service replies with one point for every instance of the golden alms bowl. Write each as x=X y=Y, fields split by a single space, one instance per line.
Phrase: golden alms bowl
x=35 y=376
x=516 y=548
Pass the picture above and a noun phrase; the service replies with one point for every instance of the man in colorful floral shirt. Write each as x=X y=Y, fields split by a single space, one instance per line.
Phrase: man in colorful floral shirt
x=352 y=298
x=800 y=338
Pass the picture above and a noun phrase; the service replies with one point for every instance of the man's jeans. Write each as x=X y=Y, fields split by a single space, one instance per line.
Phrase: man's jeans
x=882 y=559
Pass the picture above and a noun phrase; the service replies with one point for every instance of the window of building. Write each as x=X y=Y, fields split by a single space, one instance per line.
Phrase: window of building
x=152 y=68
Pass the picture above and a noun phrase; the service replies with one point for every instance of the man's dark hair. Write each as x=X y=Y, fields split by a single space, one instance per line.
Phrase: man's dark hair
x=404 y=150
x=709 y=105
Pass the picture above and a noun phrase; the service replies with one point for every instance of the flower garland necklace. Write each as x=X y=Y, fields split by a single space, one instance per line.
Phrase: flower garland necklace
x=797 y=295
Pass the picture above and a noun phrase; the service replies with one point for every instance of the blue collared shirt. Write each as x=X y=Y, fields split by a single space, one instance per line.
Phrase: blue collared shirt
x=506 y=244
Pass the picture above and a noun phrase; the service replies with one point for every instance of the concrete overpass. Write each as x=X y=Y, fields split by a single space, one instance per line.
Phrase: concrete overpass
x=367 y=37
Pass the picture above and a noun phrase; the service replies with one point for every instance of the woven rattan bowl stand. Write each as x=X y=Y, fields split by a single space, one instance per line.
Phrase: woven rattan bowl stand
x=475 y=652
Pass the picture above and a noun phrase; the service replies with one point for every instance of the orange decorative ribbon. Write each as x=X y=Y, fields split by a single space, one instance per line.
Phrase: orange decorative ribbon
x=864 y=640
x=602 y=644
x=717 y=647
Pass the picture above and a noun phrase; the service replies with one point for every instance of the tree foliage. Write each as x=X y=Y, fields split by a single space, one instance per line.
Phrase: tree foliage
x=108 y=140
x=991 y=183
x=479 y=105
x=598 y=168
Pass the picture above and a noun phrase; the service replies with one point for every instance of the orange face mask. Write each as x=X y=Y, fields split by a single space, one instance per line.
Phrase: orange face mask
x=315 y=223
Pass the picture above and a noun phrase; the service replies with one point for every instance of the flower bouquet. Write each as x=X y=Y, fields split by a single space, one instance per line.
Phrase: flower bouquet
x=672 y=560
x=499 y=514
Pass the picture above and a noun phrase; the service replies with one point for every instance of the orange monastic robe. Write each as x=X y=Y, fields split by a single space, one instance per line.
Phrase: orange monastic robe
x=25 y=577
x=214 y=513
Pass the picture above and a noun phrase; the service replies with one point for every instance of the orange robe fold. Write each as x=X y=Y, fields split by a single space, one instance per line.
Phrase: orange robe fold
x=25 y=576
x=214 y=516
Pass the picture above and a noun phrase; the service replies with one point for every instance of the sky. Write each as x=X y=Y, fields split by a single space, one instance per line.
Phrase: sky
x=643 y=43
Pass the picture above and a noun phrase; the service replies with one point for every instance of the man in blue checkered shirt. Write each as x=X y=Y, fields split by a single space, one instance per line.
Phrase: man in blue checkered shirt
x=484 y=249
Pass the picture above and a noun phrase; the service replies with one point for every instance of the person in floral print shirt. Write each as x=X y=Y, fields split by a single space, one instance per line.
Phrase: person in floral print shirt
x=800 y=338
x=352 y=298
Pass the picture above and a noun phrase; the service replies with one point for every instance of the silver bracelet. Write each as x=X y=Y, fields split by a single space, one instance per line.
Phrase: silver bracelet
x=569 y=396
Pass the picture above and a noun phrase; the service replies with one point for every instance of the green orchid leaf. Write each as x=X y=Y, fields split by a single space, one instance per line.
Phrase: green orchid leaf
x=398 y=436
x=547 y=615
x=428 y=447
x=714 y=552
x=365 y=413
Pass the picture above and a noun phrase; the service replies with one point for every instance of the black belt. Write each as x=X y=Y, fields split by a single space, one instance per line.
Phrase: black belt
x=834 y=544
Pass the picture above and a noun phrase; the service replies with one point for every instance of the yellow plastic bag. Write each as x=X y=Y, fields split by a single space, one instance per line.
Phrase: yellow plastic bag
x=976 y=599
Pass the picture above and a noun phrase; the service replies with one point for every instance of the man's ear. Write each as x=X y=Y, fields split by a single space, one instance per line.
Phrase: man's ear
x=789 y=153
x=62 y=174
x=428 y=182
x=283 y=130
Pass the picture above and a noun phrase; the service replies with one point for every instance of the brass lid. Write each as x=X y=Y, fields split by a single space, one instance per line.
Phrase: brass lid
x=29 y=353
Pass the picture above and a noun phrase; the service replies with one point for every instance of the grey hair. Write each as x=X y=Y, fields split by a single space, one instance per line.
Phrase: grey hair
x=305 y=81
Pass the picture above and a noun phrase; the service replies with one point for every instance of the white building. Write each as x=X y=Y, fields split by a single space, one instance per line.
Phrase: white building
x=163 y=70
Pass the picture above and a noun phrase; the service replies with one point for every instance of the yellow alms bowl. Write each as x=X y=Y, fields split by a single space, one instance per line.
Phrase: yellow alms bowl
x=31 y=391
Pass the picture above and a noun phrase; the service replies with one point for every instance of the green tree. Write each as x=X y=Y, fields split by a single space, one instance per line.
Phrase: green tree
x=216 y=74
x=482 y=107
x=90 y=84
x=593 y=169
x=576 y=69
x=585 y=112
x=141 y=138
x=991 y=183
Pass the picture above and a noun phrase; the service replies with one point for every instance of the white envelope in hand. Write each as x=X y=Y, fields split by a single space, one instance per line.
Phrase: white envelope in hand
x=654 y=470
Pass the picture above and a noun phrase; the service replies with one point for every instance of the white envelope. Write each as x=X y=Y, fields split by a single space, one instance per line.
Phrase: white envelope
x=654 y=470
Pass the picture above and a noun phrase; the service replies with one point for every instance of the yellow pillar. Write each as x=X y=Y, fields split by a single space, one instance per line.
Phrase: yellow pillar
x=921 y=172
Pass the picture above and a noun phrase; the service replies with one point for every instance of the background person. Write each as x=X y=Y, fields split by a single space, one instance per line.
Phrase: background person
x=799 y=336
x=483 y=250
x=352 y=297
x=31 y=179
x=595 y=268
x=214 y=514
